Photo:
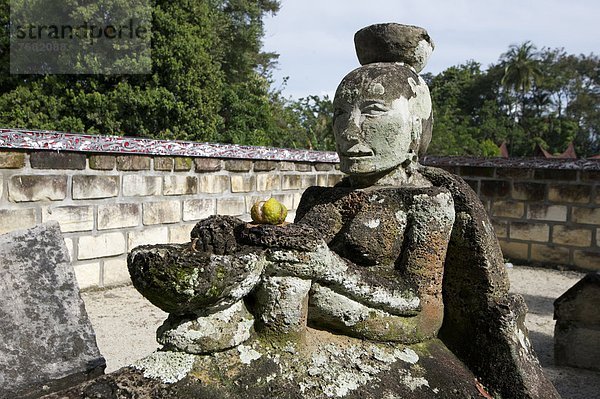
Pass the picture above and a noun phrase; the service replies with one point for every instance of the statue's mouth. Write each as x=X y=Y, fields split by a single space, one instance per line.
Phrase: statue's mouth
x=358 y=151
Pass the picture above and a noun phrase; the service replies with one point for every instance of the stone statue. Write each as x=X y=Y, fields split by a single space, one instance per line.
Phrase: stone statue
x=384 y=285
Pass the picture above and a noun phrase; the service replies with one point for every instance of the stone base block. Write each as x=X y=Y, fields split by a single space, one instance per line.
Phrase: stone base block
x=577 y=346
x=219 y=331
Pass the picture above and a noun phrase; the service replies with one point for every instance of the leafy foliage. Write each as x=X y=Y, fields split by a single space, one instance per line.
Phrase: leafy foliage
x=528 y=98
x=210 y=81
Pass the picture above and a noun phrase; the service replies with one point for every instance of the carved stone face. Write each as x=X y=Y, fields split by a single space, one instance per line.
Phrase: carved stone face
x=381 y=113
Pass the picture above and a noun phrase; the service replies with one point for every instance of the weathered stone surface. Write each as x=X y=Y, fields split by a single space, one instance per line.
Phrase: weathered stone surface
x=572 y=236
x=102 y=162
x=588 y=260
x=242 y=183
x=238 y=165
x=163 y=163
x=119 y=216
x=234 y=206
x=515 y=250
x=549 y=254
x=198 y=209
x=180 y=234
x=577 y=332
x=182 y=280
x=586 y=215
x=95 y=186
x=213 y=184
x=46 y=339
x=141 y=186
x=57 y=160
x=207 y=334
x=133 y=162
x=529 y=231
x=508 y=209
x=27 y=188
x=101 y=246
x=555 y=213
x=268 y=182
x=70 y=218
x=12 y=160
x=281 y=304
x=265 y=166
x=180 y=185
x=483 y=325
x=572 y=193
x=161 y=212
x=15 y=219
x=534 y=192
x=393 y=43
x=293 y=236
x=182 y=164
x=322 y=365
x=217 y=235
x=208 y=164
x=115 y=272
x=147 y=236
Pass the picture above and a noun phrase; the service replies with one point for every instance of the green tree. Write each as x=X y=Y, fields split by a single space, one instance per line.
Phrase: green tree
x=206 y=82
x=521 y=71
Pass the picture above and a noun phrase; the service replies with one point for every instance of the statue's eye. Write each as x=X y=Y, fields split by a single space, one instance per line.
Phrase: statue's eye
x=337 y=112
x=374 y=109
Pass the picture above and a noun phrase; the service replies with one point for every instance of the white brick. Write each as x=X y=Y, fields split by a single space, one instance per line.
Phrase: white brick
x=151 y=236
x=268 y=182
x=235 y=206
x=180 y=185
x=118 y=216
x=37 y=188
x=70 y=218
x=105 y=245
x=16 y=219
x=557 y=213
x=242 y=183
x=180 y=234
x=213 y=184
x=115 y=272
x=94 y=187
x=87 y=275
x=161 y=212
x=198 y=209
x=141 y=186
x=322 y=180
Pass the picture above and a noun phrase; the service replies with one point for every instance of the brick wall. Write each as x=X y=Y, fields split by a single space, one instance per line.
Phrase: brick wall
x=544 y=212
x=108 y=204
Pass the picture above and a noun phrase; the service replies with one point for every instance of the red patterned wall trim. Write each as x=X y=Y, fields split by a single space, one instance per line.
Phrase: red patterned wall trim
x=58 y=141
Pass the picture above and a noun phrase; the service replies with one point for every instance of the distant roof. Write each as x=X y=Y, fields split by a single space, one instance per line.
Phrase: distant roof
x=570 y=153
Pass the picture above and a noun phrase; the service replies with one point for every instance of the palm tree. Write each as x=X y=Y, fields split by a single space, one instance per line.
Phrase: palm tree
x=521 y=71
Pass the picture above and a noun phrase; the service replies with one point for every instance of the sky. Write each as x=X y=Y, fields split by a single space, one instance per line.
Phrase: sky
x=315 y=37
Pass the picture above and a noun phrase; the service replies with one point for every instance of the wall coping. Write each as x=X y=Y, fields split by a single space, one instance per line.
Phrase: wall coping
x=21 y=139
x=514 y=163
x=60 y=141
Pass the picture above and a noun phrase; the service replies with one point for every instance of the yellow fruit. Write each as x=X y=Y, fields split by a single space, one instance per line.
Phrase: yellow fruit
x=256 y=212
x=268 y=212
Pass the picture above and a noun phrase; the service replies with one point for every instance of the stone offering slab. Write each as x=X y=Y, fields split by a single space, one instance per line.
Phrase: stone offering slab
x=47 y=342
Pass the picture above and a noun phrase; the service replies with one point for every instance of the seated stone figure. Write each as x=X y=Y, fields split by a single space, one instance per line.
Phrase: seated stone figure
x=396 y=253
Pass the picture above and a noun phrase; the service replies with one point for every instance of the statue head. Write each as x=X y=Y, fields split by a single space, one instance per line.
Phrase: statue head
x=382 y=118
